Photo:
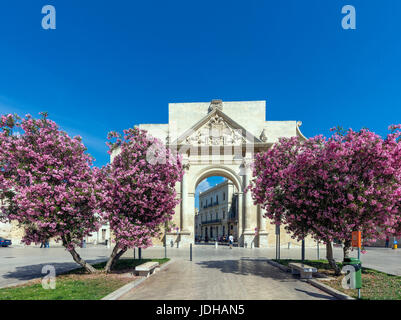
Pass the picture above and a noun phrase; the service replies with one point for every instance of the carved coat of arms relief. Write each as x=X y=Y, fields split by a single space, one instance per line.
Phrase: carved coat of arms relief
x=216 y=132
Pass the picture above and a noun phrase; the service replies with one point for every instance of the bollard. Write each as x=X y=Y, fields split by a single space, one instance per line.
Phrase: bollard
x=289 y=245
x=190 y=252
x=216 y=245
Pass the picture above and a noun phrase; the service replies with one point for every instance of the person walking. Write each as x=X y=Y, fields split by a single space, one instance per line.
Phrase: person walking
x=387 y=241
x=231 y=240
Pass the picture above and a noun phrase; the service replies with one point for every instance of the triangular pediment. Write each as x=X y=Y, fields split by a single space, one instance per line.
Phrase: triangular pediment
x=216 y=129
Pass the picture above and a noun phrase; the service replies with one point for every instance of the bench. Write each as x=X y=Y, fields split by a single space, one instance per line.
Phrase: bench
x=147 y=268
x=303 y=270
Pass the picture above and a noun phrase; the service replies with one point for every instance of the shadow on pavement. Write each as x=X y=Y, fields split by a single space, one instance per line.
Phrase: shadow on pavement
x=248 y=266
x=35 y=271
x=316 y=295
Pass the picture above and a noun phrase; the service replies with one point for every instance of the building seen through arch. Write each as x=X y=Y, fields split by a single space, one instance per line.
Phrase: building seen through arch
x=217 y=217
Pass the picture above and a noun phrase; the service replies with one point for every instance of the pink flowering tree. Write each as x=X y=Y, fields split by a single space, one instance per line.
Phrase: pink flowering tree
x=138 y=190
x=329 y=188
x=47 y=183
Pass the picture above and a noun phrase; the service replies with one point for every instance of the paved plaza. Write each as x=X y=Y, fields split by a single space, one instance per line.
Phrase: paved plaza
x=224 y=278
x=240 y=273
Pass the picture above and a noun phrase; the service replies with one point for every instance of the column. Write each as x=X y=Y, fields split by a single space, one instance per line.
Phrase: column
x=240 y=214
x=250 y=210
x=186 y=235
x=262 y=221
x=263 y=234
x=240 y=210
x=190 y=213
x=247 y=203
x=184 y=204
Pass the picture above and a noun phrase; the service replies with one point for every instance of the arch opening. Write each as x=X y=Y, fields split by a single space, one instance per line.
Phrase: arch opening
x=216 y=208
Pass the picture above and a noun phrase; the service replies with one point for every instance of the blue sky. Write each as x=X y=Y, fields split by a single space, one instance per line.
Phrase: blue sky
x=112 y=64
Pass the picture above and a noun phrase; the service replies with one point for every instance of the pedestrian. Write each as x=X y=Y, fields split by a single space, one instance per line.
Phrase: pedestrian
x=42 y=244
x=387 y=241
x=47 y=243
x=231 y=240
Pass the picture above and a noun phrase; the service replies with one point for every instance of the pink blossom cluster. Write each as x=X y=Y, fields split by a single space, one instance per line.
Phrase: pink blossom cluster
x=327 y=188
x=138 y=196
x=47 y=180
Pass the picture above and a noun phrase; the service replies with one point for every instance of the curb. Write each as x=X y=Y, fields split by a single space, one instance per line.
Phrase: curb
x=335 y=293
x=124 y=289
x=339 y=295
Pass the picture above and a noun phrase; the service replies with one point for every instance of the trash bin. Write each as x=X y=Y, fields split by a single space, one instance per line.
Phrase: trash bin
x=395 y=244
x=356 y=263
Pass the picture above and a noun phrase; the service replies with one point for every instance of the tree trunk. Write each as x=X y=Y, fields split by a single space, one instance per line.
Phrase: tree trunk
x=346 y=248
x=330 y=259
x=77 y=258
x=115 y=255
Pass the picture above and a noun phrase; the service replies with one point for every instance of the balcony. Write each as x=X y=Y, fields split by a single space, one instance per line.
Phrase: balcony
x=210 y=205
x=212 y=221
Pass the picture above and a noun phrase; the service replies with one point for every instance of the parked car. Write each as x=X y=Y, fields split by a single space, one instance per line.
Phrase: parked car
x=5 y=242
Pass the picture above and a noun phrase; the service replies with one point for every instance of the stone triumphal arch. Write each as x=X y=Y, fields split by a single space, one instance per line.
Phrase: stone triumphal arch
x=220 y=139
